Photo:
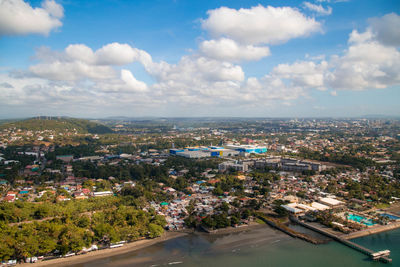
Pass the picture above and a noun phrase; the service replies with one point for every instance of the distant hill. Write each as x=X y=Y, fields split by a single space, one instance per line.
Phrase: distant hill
x=58 y=123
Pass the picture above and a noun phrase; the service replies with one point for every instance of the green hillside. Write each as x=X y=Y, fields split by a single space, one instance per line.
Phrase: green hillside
x=60 y=124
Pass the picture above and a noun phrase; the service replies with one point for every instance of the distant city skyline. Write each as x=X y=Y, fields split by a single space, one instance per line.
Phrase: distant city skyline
x=96 y=59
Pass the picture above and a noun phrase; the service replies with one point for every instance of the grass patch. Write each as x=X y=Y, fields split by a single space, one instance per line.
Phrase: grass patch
x=382 y=206
x=259 y=221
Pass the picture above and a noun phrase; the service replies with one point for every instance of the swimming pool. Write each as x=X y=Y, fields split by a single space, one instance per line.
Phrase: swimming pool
x=360 y=219
x=390 y=216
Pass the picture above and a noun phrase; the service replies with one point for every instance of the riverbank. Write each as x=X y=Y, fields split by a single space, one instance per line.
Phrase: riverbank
x=371 y=231
x=104 y=253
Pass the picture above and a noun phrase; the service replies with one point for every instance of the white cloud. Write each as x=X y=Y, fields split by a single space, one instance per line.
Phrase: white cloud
x=54 y=9
x=190 y=68
x=196 y=79
x=259 y=25
x=206 y=78
x=365 y=65
x=111 y=54
x=270 y=87
x=131 y=81
x=79 y=52
x=71 y=71
x=356 y=37
x=18 y=17
x=387 y=29
x=372 y=59
x=229 y=50
x=370 y=62
x=319 y=9
x=78 y=61
x=305 y=74
x=117 y=54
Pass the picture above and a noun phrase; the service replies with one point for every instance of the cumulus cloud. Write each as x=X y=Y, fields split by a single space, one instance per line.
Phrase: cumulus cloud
x=196 y=79
x=387 y=29
x=71 y=71
x=111 y=54
x=319 y=9
x=79 y=61
x=6 y=85
x=18 y=17
x=365 y=65
x=356 y=37
x=78 y=52
x=259 y=25
x=229 y=50
x=131 y=81
x=371 y=61
x=117 y=54
x=209 y=77
x=270 y=87
x=306 y=74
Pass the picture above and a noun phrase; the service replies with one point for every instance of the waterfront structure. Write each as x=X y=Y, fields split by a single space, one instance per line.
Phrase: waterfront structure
x=380 y=255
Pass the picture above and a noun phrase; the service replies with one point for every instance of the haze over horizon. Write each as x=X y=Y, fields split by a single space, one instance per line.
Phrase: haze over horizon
x=96 y=59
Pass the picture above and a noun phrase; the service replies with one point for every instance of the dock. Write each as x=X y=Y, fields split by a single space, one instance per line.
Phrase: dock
x=380 y=255
x=285 y=229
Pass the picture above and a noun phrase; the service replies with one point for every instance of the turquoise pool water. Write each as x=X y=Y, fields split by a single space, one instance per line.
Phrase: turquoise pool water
x=360 y=219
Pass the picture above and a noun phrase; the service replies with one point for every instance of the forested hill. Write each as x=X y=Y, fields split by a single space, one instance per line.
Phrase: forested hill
x=60 y=124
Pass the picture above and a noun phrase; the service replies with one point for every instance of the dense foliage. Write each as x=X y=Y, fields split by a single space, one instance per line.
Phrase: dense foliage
x=59 y=124
x=76 y=224
x=341 y=158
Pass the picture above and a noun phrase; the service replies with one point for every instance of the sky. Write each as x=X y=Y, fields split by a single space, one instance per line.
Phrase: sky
x=176 y=58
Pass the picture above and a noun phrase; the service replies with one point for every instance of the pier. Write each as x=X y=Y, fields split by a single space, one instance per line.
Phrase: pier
x=284 y=228
x=380 y=255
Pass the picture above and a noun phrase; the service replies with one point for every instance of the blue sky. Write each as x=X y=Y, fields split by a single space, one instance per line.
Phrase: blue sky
x=199 y=58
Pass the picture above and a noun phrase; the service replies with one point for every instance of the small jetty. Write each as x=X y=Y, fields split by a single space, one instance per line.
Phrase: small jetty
x=284 y=228
x=382 y=256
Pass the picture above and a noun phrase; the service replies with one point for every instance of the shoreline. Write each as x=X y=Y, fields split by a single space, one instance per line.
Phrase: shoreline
x=372 y=231
x=136 y=245
x=104 y=253
x=133 y=246
x=229 y=230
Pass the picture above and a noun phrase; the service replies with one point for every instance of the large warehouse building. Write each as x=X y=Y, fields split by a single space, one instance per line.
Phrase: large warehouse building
x=214 y=151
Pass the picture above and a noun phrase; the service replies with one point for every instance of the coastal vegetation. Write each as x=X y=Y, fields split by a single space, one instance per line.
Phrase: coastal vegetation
x=61 y=228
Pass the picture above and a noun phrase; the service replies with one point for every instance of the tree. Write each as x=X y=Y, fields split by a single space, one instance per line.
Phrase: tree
x=155 y=230
x=234 y=220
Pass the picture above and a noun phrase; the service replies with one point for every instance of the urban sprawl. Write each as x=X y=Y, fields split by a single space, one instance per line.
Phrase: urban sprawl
x=69 y=186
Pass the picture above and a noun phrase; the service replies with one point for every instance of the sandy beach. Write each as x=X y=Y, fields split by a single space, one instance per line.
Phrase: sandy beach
x=105 y=252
